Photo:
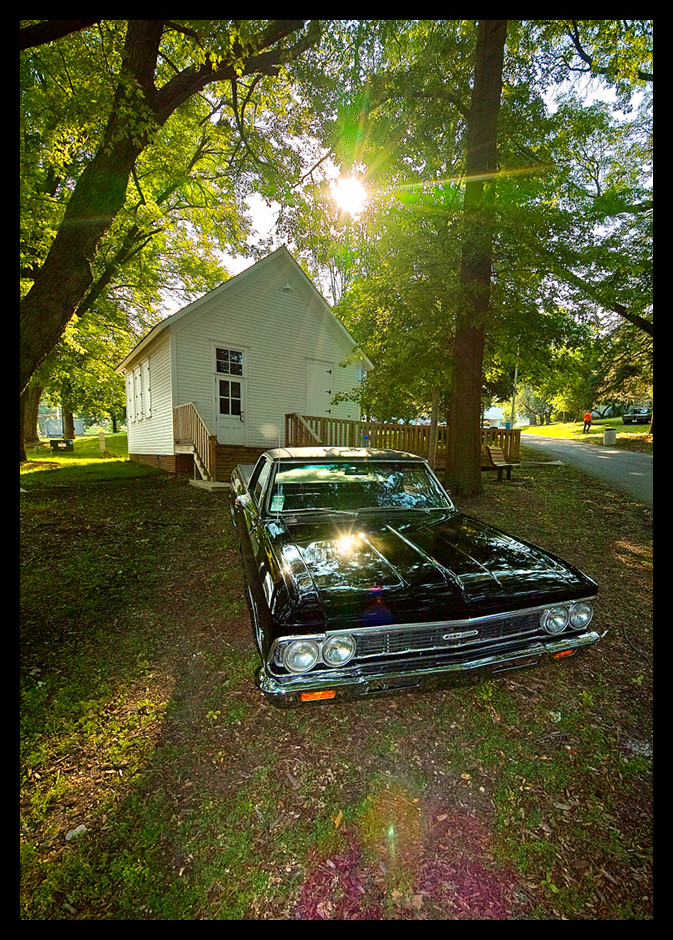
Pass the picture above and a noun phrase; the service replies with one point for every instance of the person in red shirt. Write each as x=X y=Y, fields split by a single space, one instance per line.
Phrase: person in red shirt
x=587 y=422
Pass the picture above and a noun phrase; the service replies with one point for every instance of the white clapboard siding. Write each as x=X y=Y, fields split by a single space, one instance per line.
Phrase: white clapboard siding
x=152 y=431
x=278 y=330
x=274 y=314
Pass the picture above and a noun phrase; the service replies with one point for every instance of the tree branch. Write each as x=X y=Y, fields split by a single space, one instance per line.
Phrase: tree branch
x=315 y=166
x=193 y=80
x=595 y=293
x=47 y=31
x=446 y=95
x=574 y=34
x=239 y=117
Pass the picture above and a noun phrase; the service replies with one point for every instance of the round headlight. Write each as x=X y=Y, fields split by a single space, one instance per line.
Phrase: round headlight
x=581 y=614
x=300 y=655
x=338 y=650
x=555 y=619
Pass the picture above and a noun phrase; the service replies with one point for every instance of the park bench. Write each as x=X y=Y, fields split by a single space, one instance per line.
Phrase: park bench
x=498 y=462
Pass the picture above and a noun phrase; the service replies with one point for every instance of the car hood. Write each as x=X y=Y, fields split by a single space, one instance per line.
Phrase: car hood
x=411 y=566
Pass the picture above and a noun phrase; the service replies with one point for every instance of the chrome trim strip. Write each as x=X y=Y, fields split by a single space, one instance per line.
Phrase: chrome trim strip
x=427 y=625
x=344 y=679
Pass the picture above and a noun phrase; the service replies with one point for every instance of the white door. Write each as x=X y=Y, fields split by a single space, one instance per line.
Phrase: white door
x=230 y=395
x=318 y=388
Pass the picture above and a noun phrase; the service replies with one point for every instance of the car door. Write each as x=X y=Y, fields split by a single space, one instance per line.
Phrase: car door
x=255 y=551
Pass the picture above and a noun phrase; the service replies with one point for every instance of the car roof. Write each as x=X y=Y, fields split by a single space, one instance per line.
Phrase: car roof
x=340 y=453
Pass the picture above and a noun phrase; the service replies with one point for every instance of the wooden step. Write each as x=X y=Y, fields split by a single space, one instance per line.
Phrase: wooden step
x=229 y=456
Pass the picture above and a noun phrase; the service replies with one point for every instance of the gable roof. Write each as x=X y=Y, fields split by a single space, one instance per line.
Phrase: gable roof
x=228 y=286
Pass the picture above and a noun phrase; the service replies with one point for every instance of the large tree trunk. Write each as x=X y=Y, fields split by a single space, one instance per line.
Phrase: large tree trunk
x=66 y=274
x=68 y=425
x=31 y=403
x=22 y=443
x=463 y=473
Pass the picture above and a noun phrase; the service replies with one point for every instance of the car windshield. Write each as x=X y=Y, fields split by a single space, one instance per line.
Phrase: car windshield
x=356 y=486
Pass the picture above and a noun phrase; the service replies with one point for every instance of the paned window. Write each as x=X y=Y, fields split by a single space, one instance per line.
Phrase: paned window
x=229 y=397
x=138 y=387
x=130 y=399
x=229 y=361
x=147 y=405
x=139 y=393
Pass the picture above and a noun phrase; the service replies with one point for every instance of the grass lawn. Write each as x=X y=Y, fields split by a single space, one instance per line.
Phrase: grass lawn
x=629 y=436
x=157 y=784
x=84 y=462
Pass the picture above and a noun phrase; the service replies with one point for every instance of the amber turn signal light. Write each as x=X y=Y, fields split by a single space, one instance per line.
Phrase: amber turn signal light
x=313 y=696
x=563 y=653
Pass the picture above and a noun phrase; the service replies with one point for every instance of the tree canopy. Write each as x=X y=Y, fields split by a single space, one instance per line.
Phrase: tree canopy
x=142 y=139
x=98 y=109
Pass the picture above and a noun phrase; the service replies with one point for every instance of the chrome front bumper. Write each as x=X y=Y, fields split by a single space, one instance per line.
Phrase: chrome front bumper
x=372 y=679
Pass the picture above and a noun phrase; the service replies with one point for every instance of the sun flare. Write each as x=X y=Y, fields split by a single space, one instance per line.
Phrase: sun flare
x=349 y=195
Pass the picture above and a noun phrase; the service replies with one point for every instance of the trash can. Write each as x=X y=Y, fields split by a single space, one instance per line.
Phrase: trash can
x=61 y=445
x=609 y=435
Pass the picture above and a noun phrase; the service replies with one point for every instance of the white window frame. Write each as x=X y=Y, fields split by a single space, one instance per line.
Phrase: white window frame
x=130 y=416
x=139 y=393
x=147 y=400
x=138 y=389
x=241 y=350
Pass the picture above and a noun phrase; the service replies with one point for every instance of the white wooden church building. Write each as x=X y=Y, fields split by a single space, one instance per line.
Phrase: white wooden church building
x=211 y=385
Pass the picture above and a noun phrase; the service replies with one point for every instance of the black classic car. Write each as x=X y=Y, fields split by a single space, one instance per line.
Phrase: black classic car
x=637 y=416
x=362 y=578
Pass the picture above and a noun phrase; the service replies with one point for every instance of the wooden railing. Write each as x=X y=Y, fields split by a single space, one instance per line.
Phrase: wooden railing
x=308 y=430
x=190 y=429
x=299 y=433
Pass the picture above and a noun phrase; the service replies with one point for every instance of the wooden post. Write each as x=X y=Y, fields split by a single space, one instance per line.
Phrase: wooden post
x=432 y=440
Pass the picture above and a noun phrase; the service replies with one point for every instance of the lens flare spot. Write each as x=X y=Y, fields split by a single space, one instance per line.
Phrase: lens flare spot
x=349 y=195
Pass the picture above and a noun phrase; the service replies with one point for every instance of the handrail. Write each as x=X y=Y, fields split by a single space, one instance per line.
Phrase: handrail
x=311 y=433
x=190 y=428
x=298 y=431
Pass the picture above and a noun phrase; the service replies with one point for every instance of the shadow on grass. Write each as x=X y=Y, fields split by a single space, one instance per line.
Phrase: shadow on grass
x=158 y=784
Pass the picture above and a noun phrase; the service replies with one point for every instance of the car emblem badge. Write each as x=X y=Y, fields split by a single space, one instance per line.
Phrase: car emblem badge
x=460 y=636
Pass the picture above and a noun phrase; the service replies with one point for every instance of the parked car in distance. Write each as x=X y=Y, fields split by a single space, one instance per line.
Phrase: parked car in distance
x=363 y=579
x=637 y=416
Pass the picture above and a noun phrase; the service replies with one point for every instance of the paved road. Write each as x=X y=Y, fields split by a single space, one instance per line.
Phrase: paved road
x=622 y=469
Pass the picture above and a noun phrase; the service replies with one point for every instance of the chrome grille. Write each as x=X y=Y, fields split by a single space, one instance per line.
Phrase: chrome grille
x=437 y=636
